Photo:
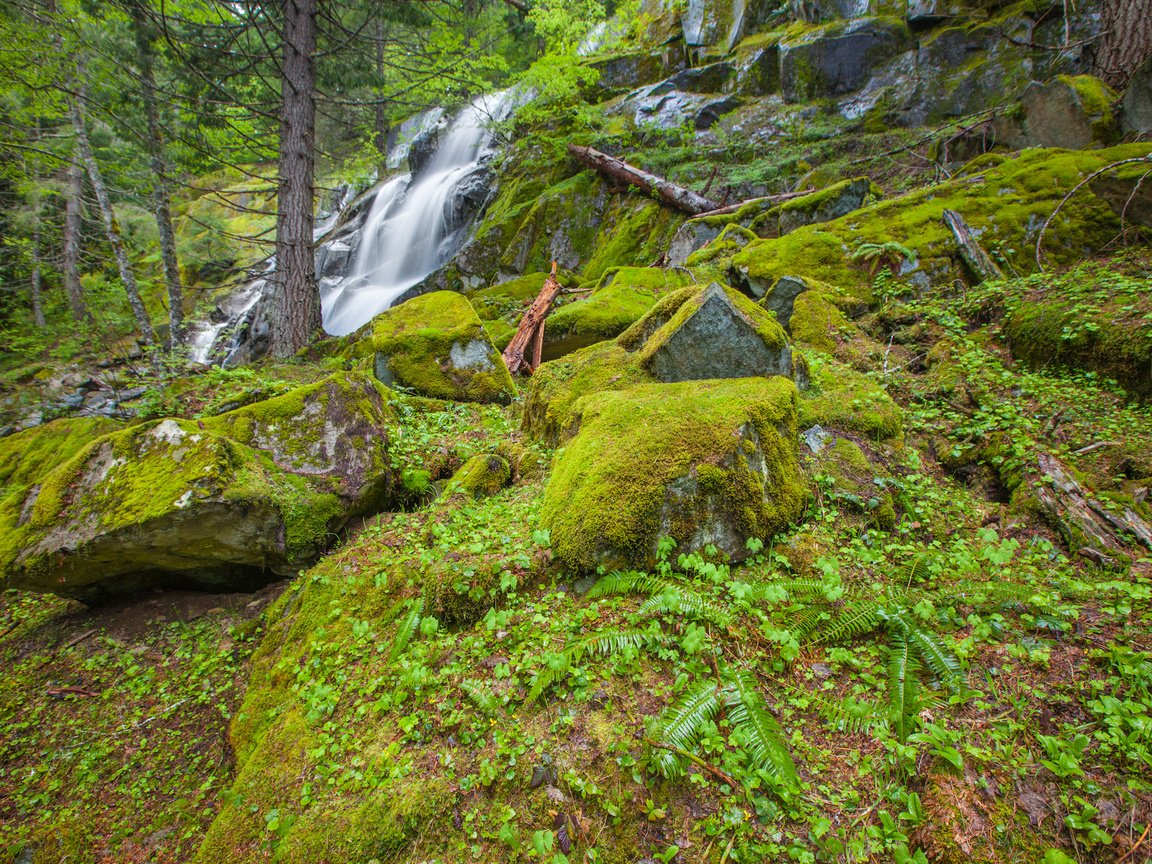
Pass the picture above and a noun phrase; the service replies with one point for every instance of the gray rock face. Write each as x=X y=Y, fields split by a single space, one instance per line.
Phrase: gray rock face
x=423 y=148
x=1058 y=114
x=671 y=109
x=781 y=298
x=689 y=237
x=1136 y=112
x=838 y=63
x=716 y=340
x=832 y=203
x=628 y=71
x=758 y=72
x=700 y=79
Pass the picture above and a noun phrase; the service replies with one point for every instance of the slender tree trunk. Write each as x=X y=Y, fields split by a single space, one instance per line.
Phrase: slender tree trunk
x=72 y=287
x=160 y=198
x=296 y=309
x=1126 y=41
x=111 y=226
x=381 y=116
x=37 y=306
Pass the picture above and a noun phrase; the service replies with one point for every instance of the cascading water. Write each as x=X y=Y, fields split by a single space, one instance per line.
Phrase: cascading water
x=416 y=221
x=371 y=254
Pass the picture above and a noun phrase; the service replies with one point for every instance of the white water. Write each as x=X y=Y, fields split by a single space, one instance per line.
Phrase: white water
x=413 y=226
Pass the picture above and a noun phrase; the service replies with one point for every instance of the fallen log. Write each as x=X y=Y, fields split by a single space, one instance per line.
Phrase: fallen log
x=667 y=191
x=1082 y=519
x=978 y=261
x=531 y=329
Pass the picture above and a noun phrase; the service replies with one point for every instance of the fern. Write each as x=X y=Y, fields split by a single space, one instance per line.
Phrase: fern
x=407 y=628
x=855 y=619
x=628 y=582
x=681 y=723
x=991 y=594
x=903 y=700
x=687 y=603
x=765 y=742
x=941 y=662
x=611 y=642
x=848 y=714
x=482 y=698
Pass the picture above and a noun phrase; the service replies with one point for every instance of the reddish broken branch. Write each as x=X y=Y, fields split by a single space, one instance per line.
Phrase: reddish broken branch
x=531 y=329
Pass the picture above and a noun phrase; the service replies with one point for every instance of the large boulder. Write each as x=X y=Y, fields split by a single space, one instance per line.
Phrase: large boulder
x=230 y=502
x=696 y=333
x=1136 y=111
x=838 y=58
x=706 y=463
x=436 y=345
x=1069 y=112
x=712 y=333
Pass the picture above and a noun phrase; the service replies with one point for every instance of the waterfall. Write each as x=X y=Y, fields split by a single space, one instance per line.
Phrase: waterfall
x=378 y=246
x=416 y=221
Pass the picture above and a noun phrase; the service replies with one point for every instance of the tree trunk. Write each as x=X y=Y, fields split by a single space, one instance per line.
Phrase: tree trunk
x=155 y=143
x=1126 y=41
x=671 y=194
x=296 y=312
x=37 y=306
x=72 y=287
x=381 y=115
x=111 y=227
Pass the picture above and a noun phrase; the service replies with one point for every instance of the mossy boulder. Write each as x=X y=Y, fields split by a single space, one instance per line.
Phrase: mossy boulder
x=228 y=502
x=436 y=345
x=841 y=398
x=1069 y=111
x=703 y=462
x=695 y=333
x=619 y=300
x=482 y=475
x=848 y=476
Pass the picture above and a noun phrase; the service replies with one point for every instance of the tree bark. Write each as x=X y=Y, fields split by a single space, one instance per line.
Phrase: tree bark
x=72 y=287
x=978 y=261
x=1126 y=41
x=668 y=192
x=531 y=329
x=37 y=305
x=111 y=226
x=155 y=143
x=381 y=116
x=296 y=312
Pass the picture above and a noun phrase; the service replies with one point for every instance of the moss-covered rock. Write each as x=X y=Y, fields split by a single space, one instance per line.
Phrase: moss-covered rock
x=839 y=397
x=621 y=297
x=1005 y=200
x=704 y=462
x=226 y=502
x=436 y=345
x=1070 y=111
x=845 y=473
x=483 y=474
x=837 y=58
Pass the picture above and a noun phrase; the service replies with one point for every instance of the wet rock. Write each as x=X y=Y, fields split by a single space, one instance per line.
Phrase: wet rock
x=229 y=502
x=634 y=69
x=703 y=462
x=689 y=237
x=837 y=200
x=671 y=109
x=423 y=148
x=700 y=79
x=839 y=59
x=721 y=23
x=781 y=298
x=758 y=72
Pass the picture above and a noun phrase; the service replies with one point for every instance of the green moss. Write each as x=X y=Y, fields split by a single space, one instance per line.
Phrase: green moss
x=436 y=345
x=678 y=460
x=1003 y=200
x=557 y=386
x=1096 y=98
x=624 y=295
x=482 y=475
x=841 y=398
x=27 y=456
x=850 y=477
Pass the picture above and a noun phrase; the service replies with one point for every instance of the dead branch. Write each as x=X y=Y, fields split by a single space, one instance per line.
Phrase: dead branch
x=531 y=329
x=617 y=169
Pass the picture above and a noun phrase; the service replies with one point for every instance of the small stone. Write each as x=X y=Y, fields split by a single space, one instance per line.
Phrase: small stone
x=817 y=438
x=555 y=795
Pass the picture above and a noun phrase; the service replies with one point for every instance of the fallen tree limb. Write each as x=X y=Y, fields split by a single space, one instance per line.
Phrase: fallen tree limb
x=531 y=329
x=978 y=261
x=667 y=191
x=767 y=199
